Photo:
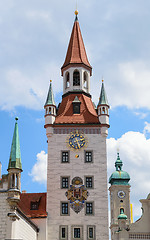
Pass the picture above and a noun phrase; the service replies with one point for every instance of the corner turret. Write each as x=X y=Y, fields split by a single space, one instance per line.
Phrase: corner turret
x=14 y=169
x=103 y=110
x=50 y=107
x=50 y=110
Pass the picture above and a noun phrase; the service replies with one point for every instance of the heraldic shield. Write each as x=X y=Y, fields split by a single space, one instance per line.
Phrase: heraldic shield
x=77 y=194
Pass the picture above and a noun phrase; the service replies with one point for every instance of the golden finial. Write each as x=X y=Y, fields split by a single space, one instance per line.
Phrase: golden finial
x=50 y=80
x=76 y=12
x=102 y=80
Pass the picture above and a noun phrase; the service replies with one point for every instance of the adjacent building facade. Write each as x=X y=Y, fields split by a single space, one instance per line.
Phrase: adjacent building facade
x=76 y=203
x=121 y=225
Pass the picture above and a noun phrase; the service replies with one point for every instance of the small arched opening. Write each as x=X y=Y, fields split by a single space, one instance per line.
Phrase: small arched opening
x=85 y=78
x=76 y=78
x=67 y=80
x=103 y=110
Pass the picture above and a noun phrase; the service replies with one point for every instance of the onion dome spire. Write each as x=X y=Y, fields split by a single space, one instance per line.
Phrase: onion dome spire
x=50 y=96
x=119 y=177
x=15 y=155
x=76 y=53
x=118 y=163
x=103 y=97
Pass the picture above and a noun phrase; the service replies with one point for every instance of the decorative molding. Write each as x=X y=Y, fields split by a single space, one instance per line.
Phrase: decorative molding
x=91 y=130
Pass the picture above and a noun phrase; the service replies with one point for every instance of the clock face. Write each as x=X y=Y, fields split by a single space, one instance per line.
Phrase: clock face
x=76 y=141
x=121 y=194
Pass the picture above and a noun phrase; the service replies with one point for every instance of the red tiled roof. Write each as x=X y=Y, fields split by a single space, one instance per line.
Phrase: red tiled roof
x=87 y=112
x=76 y=53
x=25 y=204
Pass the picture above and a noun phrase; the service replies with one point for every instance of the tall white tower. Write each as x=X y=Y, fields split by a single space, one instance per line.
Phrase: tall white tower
x=77 y=203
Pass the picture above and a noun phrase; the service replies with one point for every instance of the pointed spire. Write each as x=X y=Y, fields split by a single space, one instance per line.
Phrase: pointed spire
x=76 y=53
x=103 y=96
x=50 y=97
x=15 y=155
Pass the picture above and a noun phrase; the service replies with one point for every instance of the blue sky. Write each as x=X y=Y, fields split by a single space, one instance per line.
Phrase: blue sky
x=34 y=37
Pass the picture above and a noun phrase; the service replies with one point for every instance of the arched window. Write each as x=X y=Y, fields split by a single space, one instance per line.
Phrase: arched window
x=76 y=78
x=16 y=182
x=85 y=77
x=103 y=109
x=49 y=110
x=13 y=181
x=67 y=80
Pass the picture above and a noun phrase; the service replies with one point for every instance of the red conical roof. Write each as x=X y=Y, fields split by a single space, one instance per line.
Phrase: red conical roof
x=76 y=53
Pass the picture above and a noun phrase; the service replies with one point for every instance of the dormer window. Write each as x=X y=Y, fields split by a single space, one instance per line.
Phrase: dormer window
x=76 y=78
x=76 y=105
x=34 y=205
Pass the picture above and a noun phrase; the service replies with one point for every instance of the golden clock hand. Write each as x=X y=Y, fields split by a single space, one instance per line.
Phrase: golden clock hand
x=77 y=143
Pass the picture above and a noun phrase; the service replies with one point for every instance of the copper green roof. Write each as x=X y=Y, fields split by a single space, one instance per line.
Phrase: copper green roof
x=119 y=177
x=15 y=155
x=50 y=97
x=122 y=215
x=103 y=96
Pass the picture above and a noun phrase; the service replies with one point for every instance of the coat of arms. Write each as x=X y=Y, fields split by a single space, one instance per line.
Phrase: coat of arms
x=77 y=194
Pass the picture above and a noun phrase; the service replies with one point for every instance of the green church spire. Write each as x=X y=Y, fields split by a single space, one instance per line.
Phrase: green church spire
x=103 y=96
x=15 y=155
x=50 y=97
x=119 y=177
x=118 y=163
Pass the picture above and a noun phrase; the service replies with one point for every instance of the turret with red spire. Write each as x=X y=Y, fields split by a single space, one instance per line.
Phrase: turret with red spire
x=76 y=70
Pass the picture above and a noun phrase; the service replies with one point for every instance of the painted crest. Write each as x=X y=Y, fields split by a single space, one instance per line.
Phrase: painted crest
x=77 y=194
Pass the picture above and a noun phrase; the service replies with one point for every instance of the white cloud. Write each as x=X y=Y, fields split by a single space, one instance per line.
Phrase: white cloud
x=141 y=115
x=146 y=128
x=129 y=85
x=134 y=151
x=39 y=15
x=39 y=170
x=20 y=89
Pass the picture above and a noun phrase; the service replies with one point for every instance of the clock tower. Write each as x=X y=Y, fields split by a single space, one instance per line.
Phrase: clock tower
x=119 y=199
x=77 y=203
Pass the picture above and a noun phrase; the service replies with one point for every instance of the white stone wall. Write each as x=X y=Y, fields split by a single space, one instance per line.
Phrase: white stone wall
x=4 y=209
x=42 y=224
x=77 y=167
x=22 y=229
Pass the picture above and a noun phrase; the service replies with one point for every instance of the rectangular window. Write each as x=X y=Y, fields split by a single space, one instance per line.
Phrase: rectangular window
x=88 y=156
x=65 y=157
x=90 y=232
x=63 y=232
x=64 y=182
x=89 y=182
x=64 y=208
x=89 y=208
x=77 y=233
